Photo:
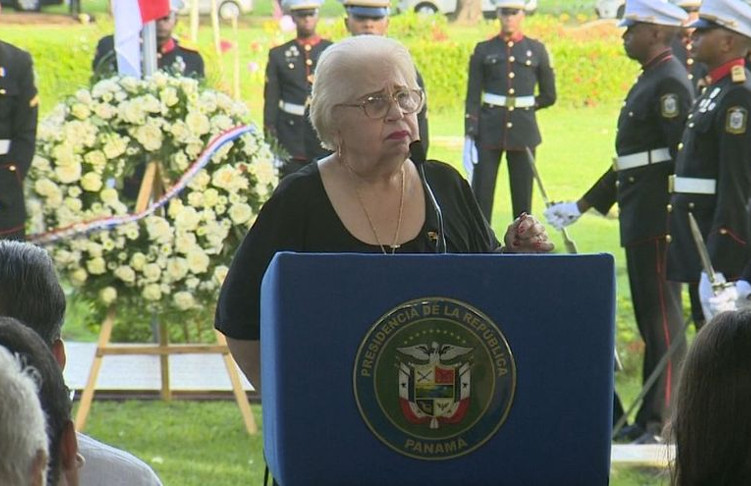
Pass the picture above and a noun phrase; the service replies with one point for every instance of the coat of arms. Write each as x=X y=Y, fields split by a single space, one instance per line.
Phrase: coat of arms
x=436 y=388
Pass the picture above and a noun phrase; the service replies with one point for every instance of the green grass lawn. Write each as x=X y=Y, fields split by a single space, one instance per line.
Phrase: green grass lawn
x=205 y=442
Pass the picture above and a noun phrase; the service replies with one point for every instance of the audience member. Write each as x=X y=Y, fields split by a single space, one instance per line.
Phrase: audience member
x=712 y=419
x=30 y=292
x=64 y=460
x=23 y=432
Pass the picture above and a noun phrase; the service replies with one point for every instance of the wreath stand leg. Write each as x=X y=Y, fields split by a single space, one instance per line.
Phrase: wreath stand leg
x=164 y=349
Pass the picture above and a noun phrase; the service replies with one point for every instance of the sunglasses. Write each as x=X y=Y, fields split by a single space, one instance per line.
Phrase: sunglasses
x=509 y=12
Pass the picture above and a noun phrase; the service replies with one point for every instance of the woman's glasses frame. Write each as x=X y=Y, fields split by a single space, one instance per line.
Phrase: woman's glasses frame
x=377 y=106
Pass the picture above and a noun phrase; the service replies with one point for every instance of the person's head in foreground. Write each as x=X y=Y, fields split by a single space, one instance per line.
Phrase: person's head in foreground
x=31 y=292
x=64 y=460
x=511 y=16
x=23 y=434
x=722 y=33
x=712 y=418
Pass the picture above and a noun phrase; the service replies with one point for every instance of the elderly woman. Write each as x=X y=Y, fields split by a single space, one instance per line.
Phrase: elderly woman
x=368 y=196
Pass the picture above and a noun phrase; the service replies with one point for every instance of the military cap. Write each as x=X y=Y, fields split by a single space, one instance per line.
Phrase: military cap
x=659 y=12
x=733 y=15
x=689 y=4
x=292 y=5
x=176 y=5
x=367 y=8
x=520 y=4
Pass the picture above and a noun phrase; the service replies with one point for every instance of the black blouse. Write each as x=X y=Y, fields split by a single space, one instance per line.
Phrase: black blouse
x=299 y=217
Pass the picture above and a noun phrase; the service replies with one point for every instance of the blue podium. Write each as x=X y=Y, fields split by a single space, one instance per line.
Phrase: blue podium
x=438 y=369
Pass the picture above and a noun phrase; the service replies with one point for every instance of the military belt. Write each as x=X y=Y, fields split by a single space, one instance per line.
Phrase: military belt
x=4 y=146
x=691 y=185
x=292 y=108
x=640 y=159
x=508 y=101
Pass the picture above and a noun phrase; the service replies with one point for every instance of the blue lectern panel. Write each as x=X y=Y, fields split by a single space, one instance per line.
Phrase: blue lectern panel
x=556 y=313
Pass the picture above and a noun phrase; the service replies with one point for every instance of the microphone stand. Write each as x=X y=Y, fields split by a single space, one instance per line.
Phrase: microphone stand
x=417 y=154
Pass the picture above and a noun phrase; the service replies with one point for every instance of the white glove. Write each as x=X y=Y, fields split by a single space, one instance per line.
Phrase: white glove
x=744 y=294
x=562 y=214
x=713 y=303
x=469 y=157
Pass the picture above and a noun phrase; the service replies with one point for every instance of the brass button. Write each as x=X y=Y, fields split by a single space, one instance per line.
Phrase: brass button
x=511 y=108
x=668 y=238
x=511 y=75
x=291 y=66
x=723 y=231
x=690 y=76
x=669 y=208
x=680 y=146
x=12 y=168
x=511 y=59
x=617 y=183
x=528 y=63
x=689 y=61
x=631 y=179
x=309 y=62
x=691 y=205
x=2 y=91
x=509 y=124
x=511 y=91
x=307 y=47
x=691 y=125
x=510 y=43
x=690 y=116
x=630 y=113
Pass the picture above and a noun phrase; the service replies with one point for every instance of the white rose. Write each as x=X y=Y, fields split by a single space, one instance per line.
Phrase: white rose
x=223 y=178
x=184 y=300
x=240 y=213
x=138 y=261
x=105 y=111
x=169 y=96
x=210 y=197
x=91 y=182
x=198 y=261
x=97 y=159
x=197 y=123
x=114 y=146
x=108 y=196
x=177 y=269
x=108 y=295
x=184 y=242
x=187 y=219
x=96 y=266
x=200 y=181
x=67 y=174
x=80 y=111
x=78 y=277
x=152 y=272
x=152 y=292
x=150 y=136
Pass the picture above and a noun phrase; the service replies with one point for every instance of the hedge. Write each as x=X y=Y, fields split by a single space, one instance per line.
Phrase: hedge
x=590 y=65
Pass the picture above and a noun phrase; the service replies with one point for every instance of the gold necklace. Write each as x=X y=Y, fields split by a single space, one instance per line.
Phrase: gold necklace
x=393 y=244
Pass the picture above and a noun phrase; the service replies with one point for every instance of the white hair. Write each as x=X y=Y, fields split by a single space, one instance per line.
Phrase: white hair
x=339 y=64
x=23 y=433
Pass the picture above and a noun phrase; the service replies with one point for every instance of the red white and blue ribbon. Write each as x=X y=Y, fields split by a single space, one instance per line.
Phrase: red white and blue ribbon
x=110 y=222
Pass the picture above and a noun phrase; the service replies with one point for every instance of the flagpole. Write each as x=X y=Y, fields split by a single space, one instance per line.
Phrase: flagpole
x=148 y=52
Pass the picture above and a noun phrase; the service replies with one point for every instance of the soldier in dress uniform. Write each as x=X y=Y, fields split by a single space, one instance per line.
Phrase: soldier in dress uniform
x=501 y=103
x=171 y=55
x=18 y=124
x=649 y=129
x=371 y=17
x=289 y=78
x=682 y=45
x=713 y=168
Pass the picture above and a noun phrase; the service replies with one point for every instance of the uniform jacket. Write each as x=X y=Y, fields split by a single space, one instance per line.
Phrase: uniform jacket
x=172 y=57
x=652 y=117
x=18 y=124
x=716 y=145
x=507 y=68
x=289 y=78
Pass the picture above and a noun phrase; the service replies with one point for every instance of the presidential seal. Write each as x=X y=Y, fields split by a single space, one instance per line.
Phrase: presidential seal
x=434 y=378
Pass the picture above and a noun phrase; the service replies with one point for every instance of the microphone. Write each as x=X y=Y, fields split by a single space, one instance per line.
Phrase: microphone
x=417 y=154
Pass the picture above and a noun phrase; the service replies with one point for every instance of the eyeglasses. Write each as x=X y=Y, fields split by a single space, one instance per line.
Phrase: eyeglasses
x=377 y=106
x=508 y=12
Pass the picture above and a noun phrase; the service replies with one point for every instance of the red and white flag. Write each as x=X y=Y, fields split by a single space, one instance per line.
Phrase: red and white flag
x=130 y=17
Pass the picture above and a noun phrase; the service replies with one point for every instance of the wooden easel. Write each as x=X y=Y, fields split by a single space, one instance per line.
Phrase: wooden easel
x=152 y=184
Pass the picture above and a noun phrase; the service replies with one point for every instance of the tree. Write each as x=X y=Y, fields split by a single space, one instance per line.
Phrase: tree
x=469 y=11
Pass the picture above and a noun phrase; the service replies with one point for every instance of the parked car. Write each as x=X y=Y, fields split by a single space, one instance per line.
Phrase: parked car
x=448 y=7
x=228 y=9
x=29 y=5
x=610 y=9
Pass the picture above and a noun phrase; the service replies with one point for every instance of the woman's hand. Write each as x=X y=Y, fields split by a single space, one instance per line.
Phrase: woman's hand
x=526 y=235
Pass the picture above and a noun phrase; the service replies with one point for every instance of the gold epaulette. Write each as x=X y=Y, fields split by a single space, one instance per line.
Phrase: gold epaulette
x=738 y=74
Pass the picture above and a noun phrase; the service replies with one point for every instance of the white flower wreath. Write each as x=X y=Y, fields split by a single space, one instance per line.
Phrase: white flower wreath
x=175 y=258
